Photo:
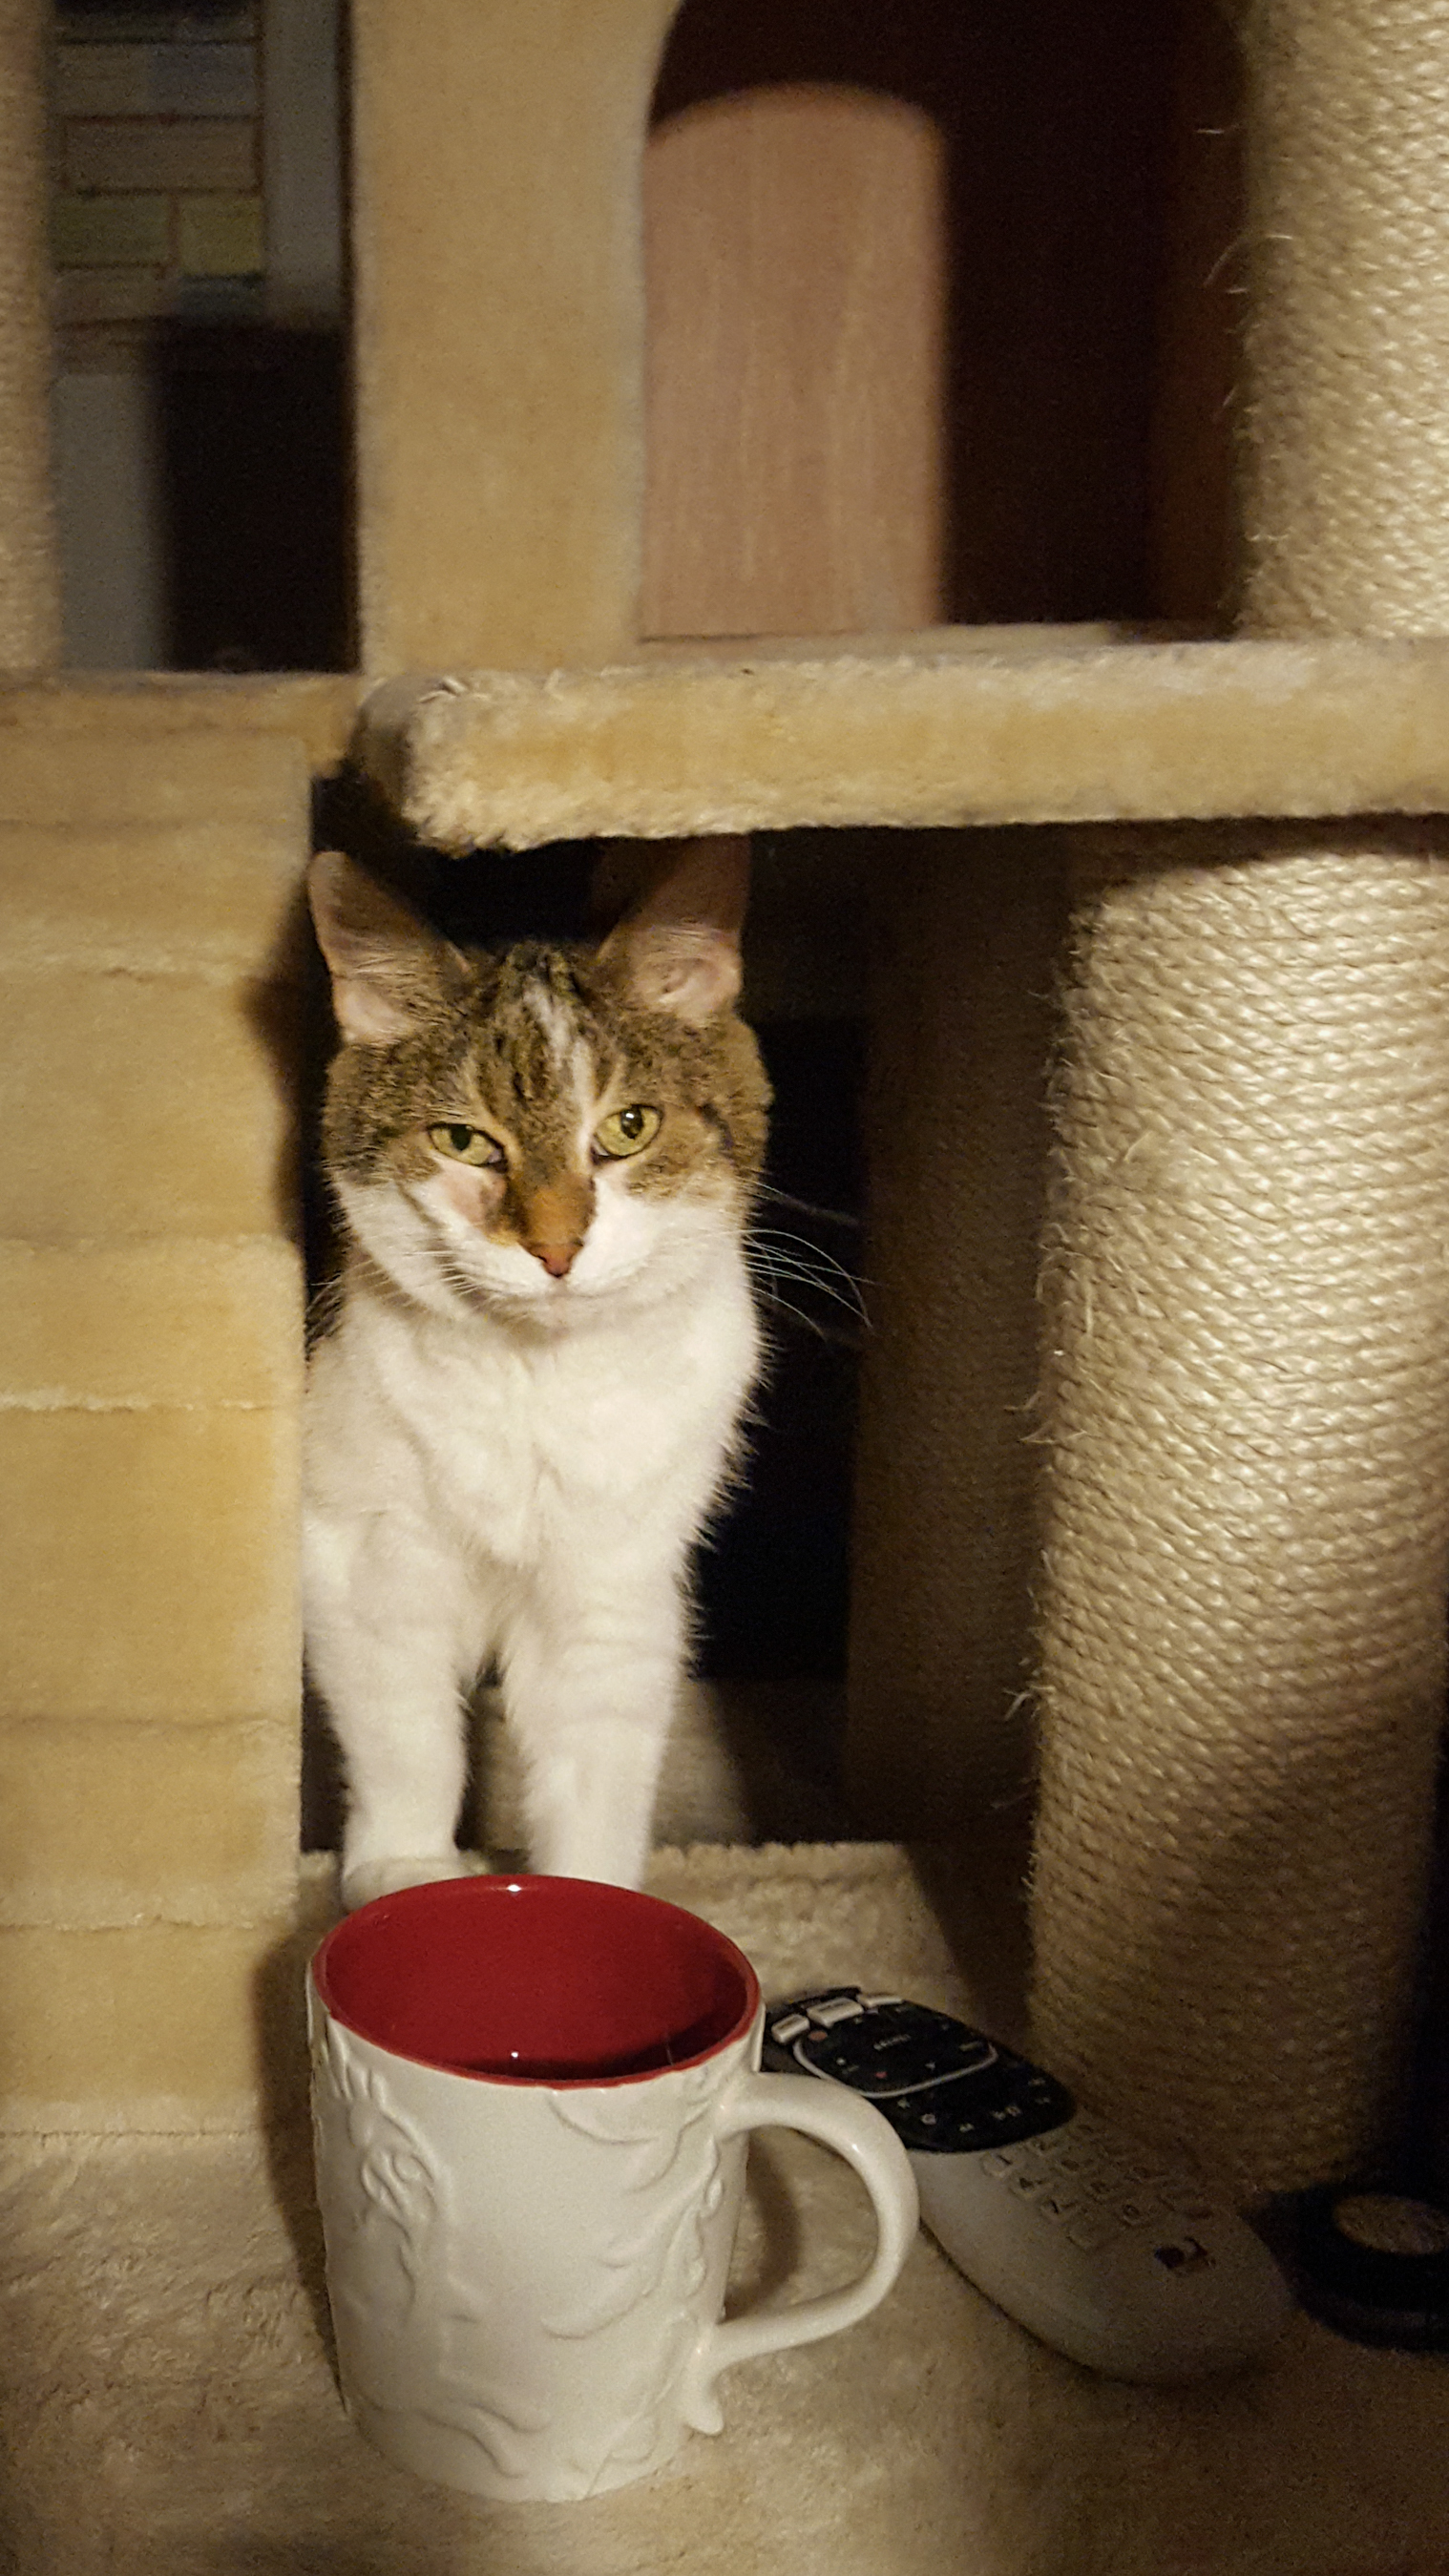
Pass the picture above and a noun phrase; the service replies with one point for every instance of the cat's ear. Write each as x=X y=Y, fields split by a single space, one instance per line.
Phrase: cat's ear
x=679 y=949
x=385 y=964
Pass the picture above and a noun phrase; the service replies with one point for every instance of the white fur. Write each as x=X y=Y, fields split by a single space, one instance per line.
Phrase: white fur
x=501 y=1464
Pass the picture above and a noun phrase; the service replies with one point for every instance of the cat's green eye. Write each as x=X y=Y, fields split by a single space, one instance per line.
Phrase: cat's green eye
x=628 y=1131
x=466 y=1145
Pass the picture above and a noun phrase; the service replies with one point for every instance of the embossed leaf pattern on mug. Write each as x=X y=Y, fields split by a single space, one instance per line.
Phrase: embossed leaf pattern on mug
x=389 y=2246
x=672 y=2188
x=666 y=2176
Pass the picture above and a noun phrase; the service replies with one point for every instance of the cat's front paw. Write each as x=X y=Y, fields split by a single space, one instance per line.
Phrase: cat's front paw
x=363 y=1880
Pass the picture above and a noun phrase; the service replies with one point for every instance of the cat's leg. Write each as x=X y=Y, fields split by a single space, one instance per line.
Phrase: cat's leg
x=591 y=1672
x=393 y=1647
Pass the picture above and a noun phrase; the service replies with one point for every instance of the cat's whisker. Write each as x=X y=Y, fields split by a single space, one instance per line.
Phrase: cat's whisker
x=824 y=1332
x=831 y=1278
x=808 y=1207
x=324 y=1305
x=770 y=1259
x=770 y=1280
x=452 y=1273
x=842 y=1326
x=817 y=1252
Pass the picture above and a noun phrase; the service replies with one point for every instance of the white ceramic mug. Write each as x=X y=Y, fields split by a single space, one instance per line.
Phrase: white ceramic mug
x=531 y=2098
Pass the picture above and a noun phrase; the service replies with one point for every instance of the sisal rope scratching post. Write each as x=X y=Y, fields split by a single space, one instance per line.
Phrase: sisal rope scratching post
x=956 y=1137
x=1242 y=1659
x=1245 y=1546
x=29 y=578
x=1348 y=463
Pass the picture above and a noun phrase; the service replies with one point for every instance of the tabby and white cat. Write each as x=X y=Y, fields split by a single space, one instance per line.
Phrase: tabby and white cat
x=529 y=1395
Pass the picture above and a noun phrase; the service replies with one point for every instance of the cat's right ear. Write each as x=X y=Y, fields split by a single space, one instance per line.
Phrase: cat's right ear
x=385 y=964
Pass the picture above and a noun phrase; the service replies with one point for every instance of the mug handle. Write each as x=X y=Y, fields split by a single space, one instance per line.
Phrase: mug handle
x=857 y=2132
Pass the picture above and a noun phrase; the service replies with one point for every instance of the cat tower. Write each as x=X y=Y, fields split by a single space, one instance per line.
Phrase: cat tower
x=1240 y=1555
x=1195 y=1497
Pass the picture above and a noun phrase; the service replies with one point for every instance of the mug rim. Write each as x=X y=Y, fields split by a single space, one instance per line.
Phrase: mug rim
x=515 y=1882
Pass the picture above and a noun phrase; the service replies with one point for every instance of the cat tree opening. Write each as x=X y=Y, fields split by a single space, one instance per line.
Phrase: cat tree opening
x=758 y=1747
x=932 y=297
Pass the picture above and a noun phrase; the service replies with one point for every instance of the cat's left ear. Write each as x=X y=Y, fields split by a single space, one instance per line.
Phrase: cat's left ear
x=679 y=950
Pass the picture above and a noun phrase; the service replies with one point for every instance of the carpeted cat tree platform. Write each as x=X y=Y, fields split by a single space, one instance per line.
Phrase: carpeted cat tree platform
x=1158 y=1434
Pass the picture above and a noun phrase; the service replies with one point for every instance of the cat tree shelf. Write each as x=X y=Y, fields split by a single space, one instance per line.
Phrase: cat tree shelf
x=952 y=726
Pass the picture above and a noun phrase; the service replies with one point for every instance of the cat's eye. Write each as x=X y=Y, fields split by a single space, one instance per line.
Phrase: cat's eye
x=466 y=1145
x=627 y=1131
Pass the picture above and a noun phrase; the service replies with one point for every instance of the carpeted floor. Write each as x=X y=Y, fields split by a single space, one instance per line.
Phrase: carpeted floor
x=169 y=2405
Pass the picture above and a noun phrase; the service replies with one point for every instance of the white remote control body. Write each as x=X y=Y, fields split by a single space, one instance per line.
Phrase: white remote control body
x=1104 y=2249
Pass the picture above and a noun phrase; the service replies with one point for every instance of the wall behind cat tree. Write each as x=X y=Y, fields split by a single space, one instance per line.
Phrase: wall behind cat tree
x=196 y=302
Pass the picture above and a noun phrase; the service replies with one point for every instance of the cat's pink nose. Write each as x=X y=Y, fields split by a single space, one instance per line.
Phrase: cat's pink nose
x=557 y=1258
x=553 y=1219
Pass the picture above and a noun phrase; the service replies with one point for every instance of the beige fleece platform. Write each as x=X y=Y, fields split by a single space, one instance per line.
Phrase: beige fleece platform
x=951 y=726
x=169 y=2405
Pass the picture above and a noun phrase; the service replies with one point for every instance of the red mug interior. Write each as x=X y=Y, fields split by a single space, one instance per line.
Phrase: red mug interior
x=542 y=1980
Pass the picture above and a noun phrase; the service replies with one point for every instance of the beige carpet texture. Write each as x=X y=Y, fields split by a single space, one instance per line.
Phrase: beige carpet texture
x=169 y=2401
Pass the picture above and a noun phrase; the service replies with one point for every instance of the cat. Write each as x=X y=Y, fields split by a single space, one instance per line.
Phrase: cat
x=529 y=1396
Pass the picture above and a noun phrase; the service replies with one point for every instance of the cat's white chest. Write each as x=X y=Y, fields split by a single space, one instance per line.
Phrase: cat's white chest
x=521 y=1443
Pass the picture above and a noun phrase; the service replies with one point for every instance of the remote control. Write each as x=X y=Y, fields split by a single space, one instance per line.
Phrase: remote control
x=1101 y=2248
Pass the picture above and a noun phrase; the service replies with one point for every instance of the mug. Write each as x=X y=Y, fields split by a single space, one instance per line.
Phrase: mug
x=531 y=2100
